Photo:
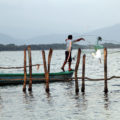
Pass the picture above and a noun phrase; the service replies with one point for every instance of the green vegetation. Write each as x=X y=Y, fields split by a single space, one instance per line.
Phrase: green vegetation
x=12 y=47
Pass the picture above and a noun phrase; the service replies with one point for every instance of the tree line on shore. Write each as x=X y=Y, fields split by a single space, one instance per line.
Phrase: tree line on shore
x=13 y=47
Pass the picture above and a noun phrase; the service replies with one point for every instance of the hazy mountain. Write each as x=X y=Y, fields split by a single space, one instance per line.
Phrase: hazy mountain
x=109 y=35
x=47 y=39
x=44 y=39
x=7 y=39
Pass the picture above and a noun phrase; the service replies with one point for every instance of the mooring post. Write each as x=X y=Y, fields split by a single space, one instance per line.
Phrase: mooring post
x=105 y=71
x=49 y=59
x=83 y=74
x=46 y=71
x=76 y=70
x=30 y=68
x=25 y=73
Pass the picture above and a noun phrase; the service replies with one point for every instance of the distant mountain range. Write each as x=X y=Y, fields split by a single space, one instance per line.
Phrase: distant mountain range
x=12 y=47
x=7 y=39
x=109 y=35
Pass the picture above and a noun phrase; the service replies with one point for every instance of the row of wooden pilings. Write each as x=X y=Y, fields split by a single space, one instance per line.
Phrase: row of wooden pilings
x=47 y=70
x=83 y=72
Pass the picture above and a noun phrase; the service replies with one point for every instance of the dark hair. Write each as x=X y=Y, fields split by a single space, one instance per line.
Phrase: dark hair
x=69 y=36
x=99 y=38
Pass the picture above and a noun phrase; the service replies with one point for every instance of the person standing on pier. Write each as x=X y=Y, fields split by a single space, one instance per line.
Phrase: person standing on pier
x=68 y=57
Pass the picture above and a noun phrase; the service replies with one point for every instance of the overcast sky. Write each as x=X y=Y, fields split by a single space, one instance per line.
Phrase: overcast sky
x=30 y=18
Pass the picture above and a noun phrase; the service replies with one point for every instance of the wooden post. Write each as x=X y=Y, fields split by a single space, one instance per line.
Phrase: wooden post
x=105 y=71
x=76 y=70
x=46 y=71
x=30 y=68
x=25 y=73
x=49 y=59
x=83 y=74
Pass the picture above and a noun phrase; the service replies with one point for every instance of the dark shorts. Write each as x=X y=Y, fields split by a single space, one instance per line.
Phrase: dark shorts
x=66 y=56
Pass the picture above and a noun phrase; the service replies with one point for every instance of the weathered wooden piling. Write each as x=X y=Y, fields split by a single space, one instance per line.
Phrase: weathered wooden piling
x=25 y=72
x=49 y=59
x=83 y=74
x=46 y=71
x=105 y=71
x=30 y=68
x=76 y=70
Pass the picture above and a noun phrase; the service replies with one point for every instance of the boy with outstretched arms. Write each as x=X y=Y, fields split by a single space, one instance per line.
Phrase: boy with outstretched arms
x=68 y=57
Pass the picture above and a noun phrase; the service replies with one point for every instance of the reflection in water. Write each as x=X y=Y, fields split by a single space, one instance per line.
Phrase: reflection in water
x=31 y=94
x=28 y=97
x=79 y=99
x=1 y=105
x=49 y=99
x=106 y=100
x=48 y=94
x=106 y=107
x=62 y=103
x=84 y=103
x=69 y=84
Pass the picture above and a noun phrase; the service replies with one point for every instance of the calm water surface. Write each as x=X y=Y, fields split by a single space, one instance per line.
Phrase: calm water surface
x=62 y=103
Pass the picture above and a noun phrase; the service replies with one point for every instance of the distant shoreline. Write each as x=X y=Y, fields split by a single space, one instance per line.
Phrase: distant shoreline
x=13 y=47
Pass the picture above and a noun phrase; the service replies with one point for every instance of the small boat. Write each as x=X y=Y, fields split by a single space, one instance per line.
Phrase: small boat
x=15 y=79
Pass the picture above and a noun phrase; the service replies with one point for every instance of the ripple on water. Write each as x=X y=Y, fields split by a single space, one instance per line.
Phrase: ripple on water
x=62 y=103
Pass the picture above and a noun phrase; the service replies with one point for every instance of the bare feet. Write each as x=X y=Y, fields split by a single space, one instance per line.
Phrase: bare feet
x=70 y=69
x=62 y=69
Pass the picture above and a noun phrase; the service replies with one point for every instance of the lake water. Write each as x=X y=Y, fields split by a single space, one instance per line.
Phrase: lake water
x=62 y=103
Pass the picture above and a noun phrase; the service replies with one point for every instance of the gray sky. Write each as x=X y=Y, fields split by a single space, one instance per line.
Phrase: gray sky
x=30 y=18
